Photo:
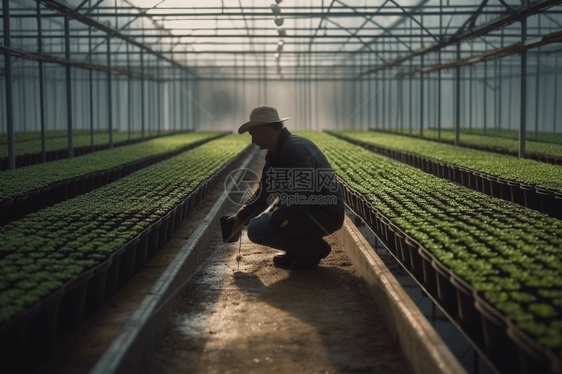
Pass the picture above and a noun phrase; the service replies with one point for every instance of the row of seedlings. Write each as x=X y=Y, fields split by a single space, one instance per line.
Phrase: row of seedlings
x=28 y=145
x=24 y=136
x=493 y=265
x=448 y=133
x=61 y=263
x=541 y=136
x=544 y=151
x=530 y=183
x=27 y=190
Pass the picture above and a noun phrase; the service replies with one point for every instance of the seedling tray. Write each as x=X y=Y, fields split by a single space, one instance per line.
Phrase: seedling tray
x=509 y=348
x=26 y=338
x=545 y=201
x=36 y=200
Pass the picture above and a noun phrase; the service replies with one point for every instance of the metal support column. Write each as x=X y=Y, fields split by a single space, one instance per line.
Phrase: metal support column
x=199 y=109
x=523 y=104
x=369 y=81
x=245 y=114
x=22 y=77
x=239 y=111
x=68 y=88
x=178 y=100
x=91 y=78
x=128 y=95
x=389 y=96
x=109 y=101
x=360 y=93
x=510 y=97
x=307 y=99
x=353 y=105
x=8 y=78
x=555 y=97
x=421 y=81
x=295 y=90
x=196 y=111
x=458 y=98
x=189 y=103
x=484 y=85
x=149 y=102
x=439 y=75
x=377 y=96
x=421 y=98
x=41 y=88
x=496 y=78
x=410 y=100
x=383 y=82
x=182 y=123
x=471 y=68
x=537 y=81
x=171 y=107
x=265 y=79
x=159 y=91
x=316 y=99
x=309 y=81
x=142 y=109
x=439 y=102
x=153 y=105
x=411 y=78
x=335 y=120
x=400 y=105
x=499 y=86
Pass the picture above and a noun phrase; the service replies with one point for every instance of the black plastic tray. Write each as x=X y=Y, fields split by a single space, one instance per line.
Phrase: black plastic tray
x=56 y=192
x=36 y=158
x=545 y=201
x=509 y=348
x=26 y=339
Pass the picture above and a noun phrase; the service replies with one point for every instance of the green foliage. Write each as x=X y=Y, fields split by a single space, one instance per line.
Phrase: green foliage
x=57 y=140
x=20 y=181
x=526 y=171
x=549 y=144
x=510 y=254
x=50 y=247
x=543 y=137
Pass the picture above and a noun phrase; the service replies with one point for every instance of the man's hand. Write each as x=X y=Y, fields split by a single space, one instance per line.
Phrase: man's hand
x=236 y=227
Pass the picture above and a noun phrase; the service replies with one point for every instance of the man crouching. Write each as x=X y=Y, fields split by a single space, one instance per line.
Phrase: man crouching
x=297 y=176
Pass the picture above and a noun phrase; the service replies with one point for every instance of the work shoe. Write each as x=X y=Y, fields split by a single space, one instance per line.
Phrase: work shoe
x=284 y=260
x=320 y=251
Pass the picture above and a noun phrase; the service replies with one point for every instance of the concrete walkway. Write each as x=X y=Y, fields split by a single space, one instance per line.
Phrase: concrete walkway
x=260 y=319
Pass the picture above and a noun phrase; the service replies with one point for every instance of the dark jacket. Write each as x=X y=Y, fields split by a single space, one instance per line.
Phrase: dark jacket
x=288 y=171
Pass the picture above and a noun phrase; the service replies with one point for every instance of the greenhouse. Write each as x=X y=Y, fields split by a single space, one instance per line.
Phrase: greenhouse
x=292 y=186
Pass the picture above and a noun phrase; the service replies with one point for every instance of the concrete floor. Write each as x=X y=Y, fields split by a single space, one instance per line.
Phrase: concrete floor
x=262 y=319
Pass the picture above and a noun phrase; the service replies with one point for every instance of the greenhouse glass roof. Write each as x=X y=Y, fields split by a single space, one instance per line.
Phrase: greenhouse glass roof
x=249 y=39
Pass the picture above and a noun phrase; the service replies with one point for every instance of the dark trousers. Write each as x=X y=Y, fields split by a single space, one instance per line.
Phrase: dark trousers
x=297 y=238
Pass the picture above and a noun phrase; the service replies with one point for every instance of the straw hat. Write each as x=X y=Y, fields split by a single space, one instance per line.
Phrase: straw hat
x=261 y=115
